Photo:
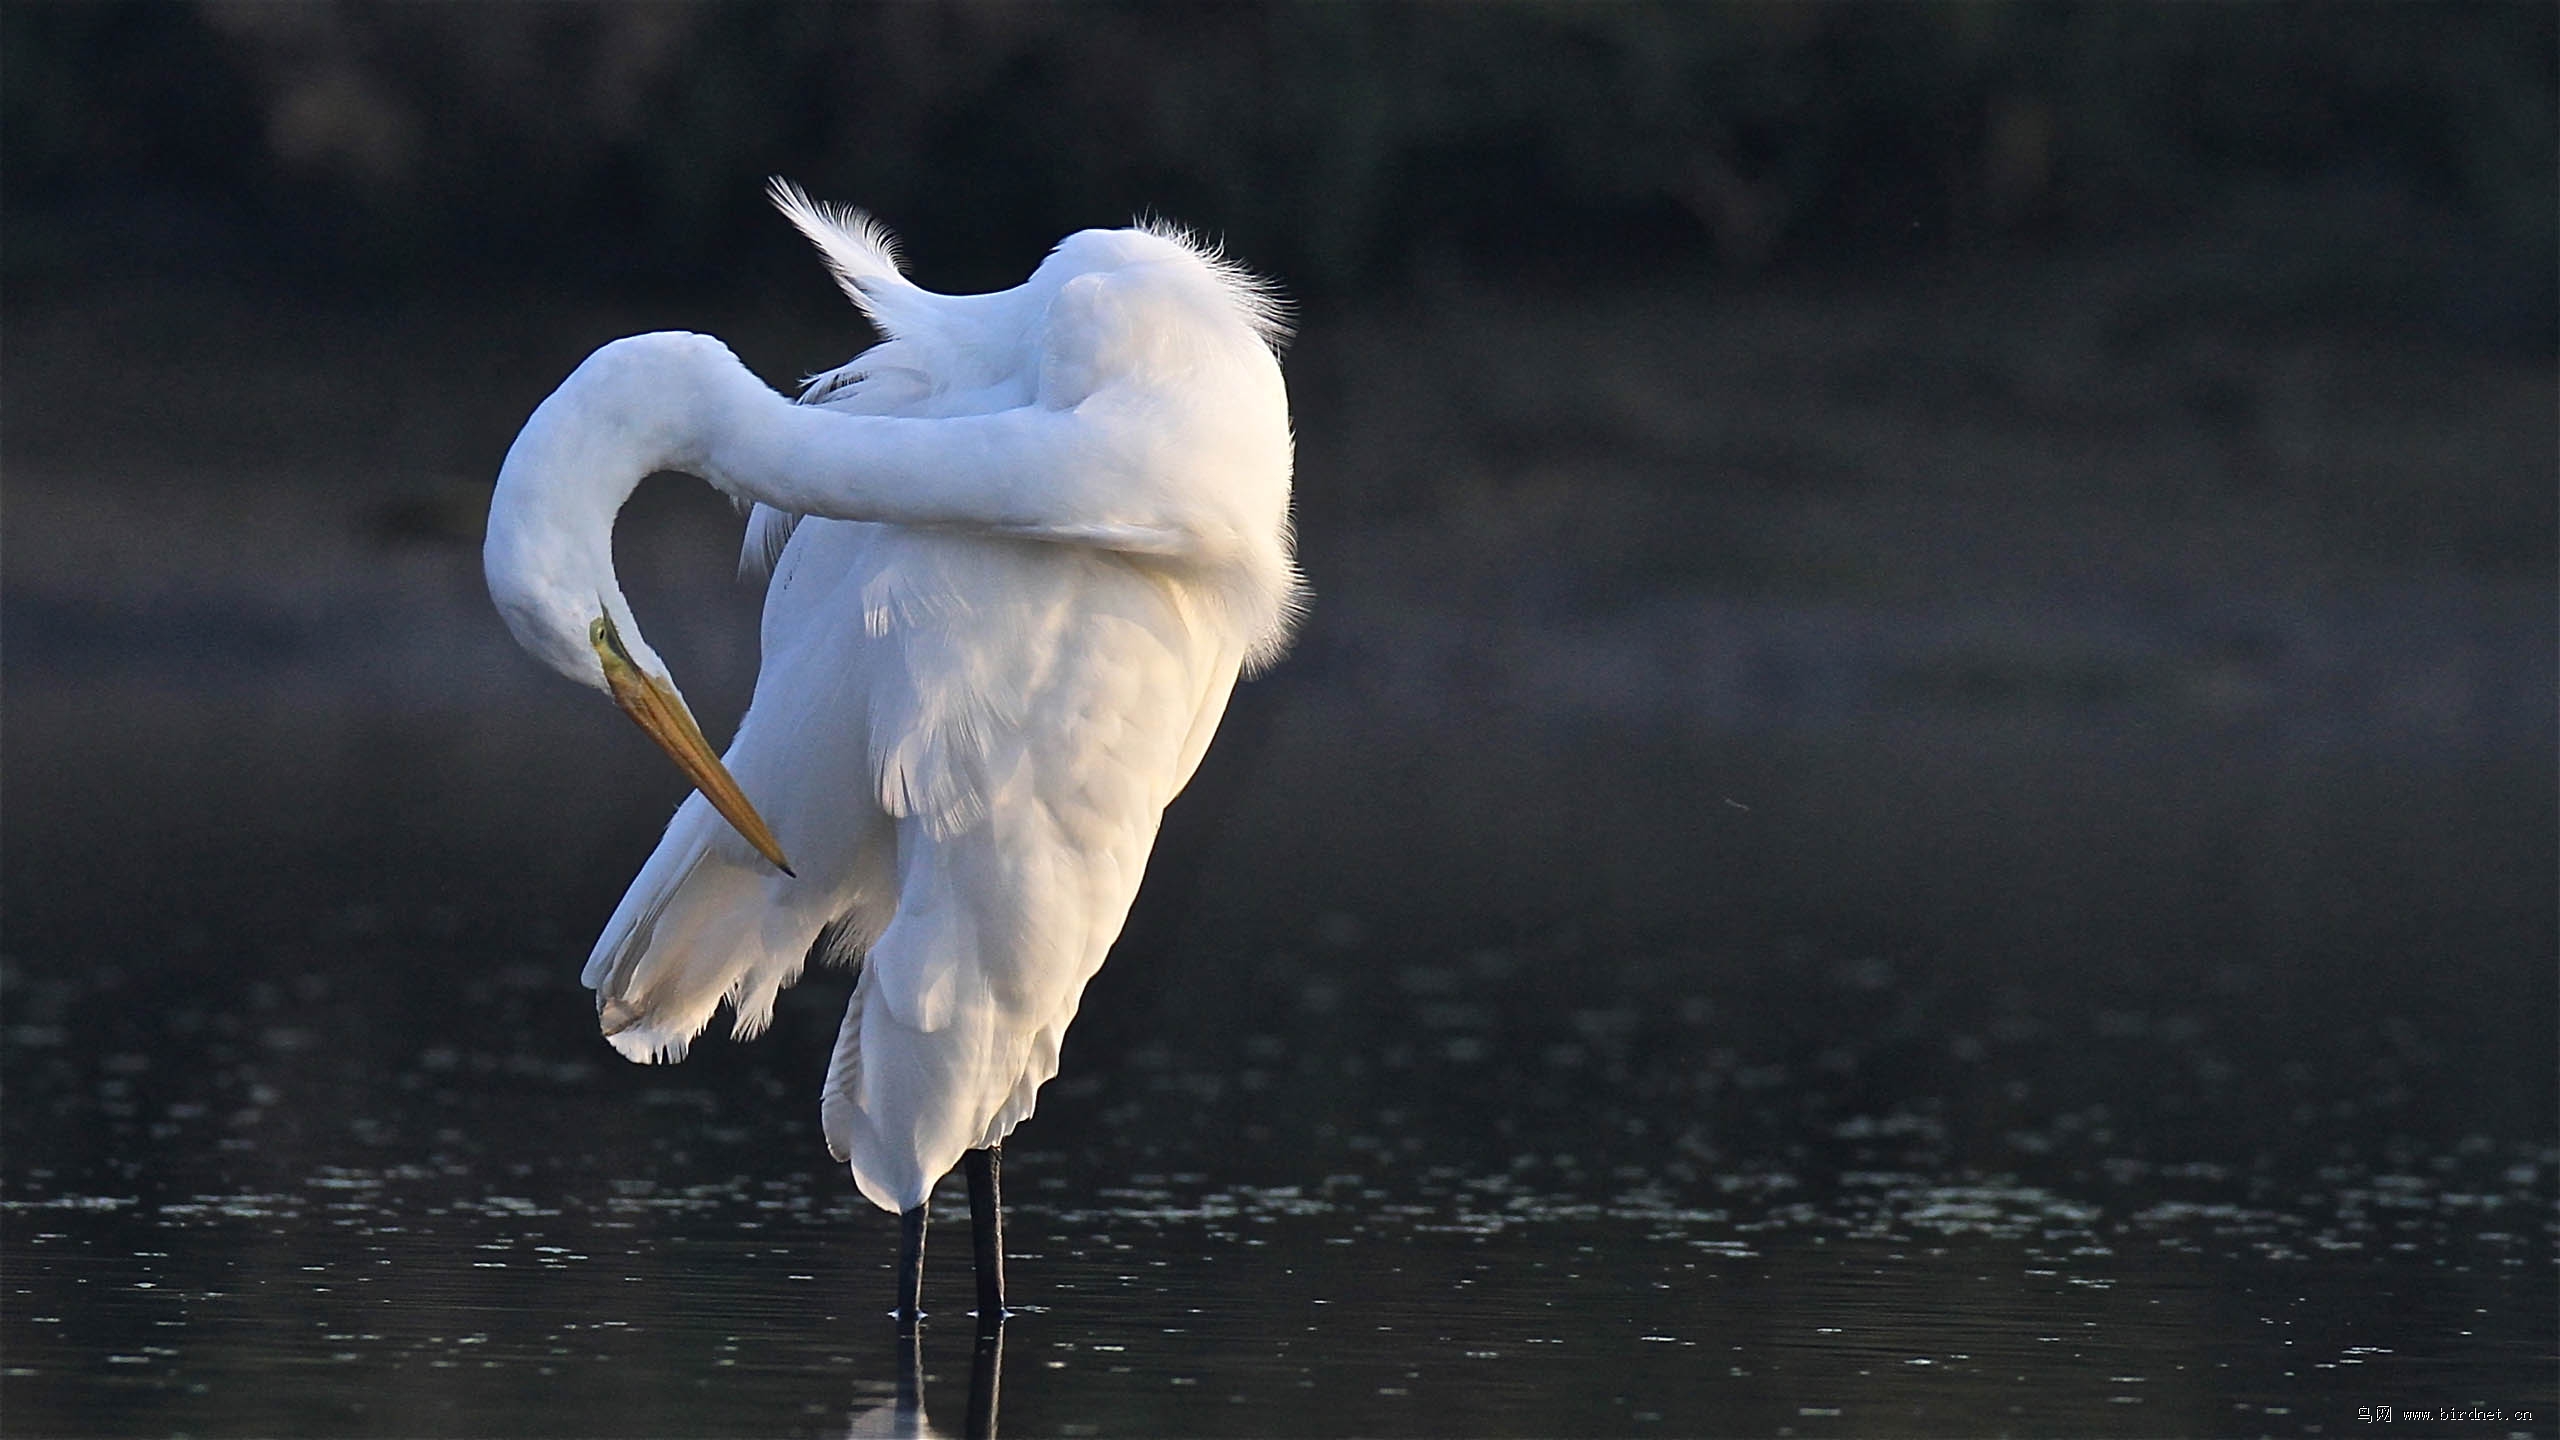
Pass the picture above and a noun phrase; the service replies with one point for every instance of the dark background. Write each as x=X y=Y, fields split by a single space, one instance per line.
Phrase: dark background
x=1352 y=150
x=2028 y=530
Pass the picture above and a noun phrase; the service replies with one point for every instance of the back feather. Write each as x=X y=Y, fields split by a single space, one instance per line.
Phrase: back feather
x=1256 y=298
x=860 y=253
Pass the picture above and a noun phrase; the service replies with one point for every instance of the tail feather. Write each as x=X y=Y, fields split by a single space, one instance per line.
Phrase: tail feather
x=901 y=1125
x=901 y=1104
x=1040 y=1068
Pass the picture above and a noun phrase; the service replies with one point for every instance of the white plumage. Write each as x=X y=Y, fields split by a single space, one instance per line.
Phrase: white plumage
x=1019 y=553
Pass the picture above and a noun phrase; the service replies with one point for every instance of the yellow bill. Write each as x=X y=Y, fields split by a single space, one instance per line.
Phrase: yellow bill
x=661 y=713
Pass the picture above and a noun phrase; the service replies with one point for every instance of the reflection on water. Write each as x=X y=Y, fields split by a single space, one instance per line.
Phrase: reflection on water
x=904 y=1413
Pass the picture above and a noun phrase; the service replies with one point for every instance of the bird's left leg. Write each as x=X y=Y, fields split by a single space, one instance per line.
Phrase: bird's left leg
x=911 y=1263
x=986 y=1228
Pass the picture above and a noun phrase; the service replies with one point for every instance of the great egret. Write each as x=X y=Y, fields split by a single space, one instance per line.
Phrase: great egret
x=1019 y=553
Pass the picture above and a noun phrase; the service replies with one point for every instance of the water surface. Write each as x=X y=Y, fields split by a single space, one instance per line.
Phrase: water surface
x=343 y=1156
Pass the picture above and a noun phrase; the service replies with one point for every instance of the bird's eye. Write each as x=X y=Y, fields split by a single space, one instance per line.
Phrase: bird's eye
x=606 y=640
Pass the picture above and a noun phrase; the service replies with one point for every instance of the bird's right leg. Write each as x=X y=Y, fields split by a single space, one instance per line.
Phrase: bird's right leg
x=911 y=1264
x=986 y=1229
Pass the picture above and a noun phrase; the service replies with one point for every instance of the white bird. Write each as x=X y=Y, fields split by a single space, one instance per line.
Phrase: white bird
x=1020 y=552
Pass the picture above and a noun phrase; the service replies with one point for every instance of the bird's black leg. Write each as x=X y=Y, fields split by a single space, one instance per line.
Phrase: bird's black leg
x=911 y=1264
x=986 y=1228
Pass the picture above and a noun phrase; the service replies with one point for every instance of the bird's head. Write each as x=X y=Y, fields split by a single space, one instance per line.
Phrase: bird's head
x=549 y=562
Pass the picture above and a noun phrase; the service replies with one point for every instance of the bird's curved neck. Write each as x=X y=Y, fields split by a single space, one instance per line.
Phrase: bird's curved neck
x=634 y=408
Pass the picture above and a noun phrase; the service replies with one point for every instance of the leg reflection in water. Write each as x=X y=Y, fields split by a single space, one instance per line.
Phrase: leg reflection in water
x=986 y=1376
x=904 y=1416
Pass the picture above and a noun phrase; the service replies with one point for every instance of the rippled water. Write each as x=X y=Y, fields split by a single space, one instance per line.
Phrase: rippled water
x=423 y=1299
x=2059 y=1074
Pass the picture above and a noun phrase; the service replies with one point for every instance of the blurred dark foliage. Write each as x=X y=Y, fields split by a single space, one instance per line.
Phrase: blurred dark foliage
x=1343 y=146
